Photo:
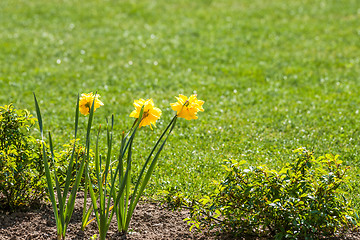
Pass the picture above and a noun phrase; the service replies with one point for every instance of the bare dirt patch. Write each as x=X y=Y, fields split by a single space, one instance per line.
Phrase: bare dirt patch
x=150 y=221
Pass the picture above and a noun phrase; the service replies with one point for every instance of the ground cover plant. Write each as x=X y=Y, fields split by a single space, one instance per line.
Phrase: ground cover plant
x=304 y=200
x=276 y=75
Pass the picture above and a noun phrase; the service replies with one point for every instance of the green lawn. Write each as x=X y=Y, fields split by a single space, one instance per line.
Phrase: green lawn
x=274 y=75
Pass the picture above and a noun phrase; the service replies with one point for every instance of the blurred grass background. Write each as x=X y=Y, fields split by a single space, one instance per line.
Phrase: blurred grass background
x=275 y=76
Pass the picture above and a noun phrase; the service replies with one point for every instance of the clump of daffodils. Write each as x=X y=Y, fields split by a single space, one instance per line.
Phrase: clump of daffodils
x=114 y=189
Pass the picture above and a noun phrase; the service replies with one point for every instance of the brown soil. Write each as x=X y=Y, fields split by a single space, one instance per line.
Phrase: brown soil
x=150 y=221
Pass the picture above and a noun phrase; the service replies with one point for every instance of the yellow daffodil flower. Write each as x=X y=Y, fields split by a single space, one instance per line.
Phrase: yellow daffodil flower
x=187 y=107
x=150 y=115
x=86 y=101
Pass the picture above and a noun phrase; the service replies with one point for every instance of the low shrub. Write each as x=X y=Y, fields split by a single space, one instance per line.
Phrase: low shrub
x=303 y=200
x=63 y=156
x=21 y=169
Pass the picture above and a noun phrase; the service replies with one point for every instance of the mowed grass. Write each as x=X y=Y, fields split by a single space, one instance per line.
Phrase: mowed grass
x=275 y=76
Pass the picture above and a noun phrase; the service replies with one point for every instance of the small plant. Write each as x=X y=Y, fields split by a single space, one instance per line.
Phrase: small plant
x=109 y=188
x=22 y=180
x=174 y=199
x=303 y=200
x=64 y=206
x=124 y=202
x=145 y=114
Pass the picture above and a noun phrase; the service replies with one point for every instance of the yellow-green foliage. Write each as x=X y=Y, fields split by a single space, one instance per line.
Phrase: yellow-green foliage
x=21 y=168
x=302 y=200
x=63 y=156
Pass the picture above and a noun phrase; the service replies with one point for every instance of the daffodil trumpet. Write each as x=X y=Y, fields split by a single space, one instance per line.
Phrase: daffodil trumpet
x=187 y=107
x=150 y=115
x=86 y=101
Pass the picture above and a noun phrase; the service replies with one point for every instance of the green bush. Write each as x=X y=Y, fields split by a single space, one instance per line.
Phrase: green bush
x=62 y=161
x=303 y=200
x=21 y=168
